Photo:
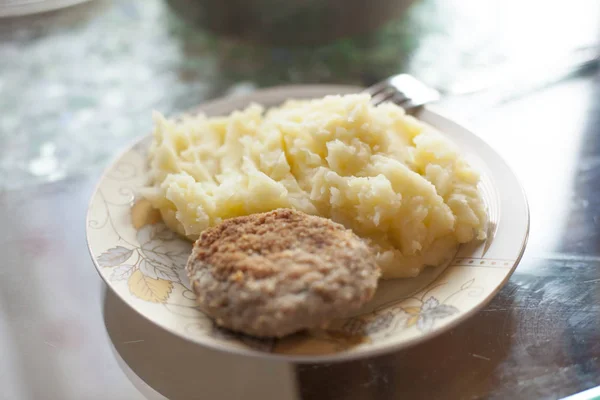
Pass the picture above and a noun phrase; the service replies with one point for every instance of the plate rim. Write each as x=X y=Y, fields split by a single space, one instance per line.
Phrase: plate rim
x=330 y=357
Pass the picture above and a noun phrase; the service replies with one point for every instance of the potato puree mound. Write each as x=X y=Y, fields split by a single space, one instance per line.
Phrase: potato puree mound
x=393 y=180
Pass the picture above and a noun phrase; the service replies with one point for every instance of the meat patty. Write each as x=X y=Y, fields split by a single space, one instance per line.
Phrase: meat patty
x=275 y=273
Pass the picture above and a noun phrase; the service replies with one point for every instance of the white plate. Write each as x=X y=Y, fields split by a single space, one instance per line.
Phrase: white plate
x=143 y=262
x=14 y=8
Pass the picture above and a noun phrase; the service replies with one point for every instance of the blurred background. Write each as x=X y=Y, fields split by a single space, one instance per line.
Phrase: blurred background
x=78 y=79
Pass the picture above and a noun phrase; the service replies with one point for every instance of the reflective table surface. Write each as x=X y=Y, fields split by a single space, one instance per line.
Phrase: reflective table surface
x=63 y=335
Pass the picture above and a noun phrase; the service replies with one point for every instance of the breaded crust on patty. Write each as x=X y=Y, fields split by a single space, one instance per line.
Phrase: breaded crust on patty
x=275 y=273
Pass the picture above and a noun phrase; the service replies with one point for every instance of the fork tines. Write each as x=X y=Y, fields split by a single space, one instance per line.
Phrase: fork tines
x=403 y=90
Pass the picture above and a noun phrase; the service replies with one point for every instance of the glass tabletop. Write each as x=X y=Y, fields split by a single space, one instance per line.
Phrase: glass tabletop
x=79 y=83
x=82 y=81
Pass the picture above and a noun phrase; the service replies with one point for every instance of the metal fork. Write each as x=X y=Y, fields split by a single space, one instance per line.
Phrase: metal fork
x=403 y=90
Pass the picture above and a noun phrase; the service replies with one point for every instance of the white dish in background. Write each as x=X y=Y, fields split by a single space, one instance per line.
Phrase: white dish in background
x=143 y=262
x=14 y=8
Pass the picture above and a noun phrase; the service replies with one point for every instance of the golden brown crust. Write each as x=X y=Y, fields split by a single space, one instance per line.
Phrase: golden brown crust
x=274 y=273
x=262 y=239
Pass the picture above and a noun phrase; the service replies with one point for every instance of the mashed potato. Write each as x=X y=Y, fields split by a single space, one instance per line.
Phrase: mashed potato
x=393 y=180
